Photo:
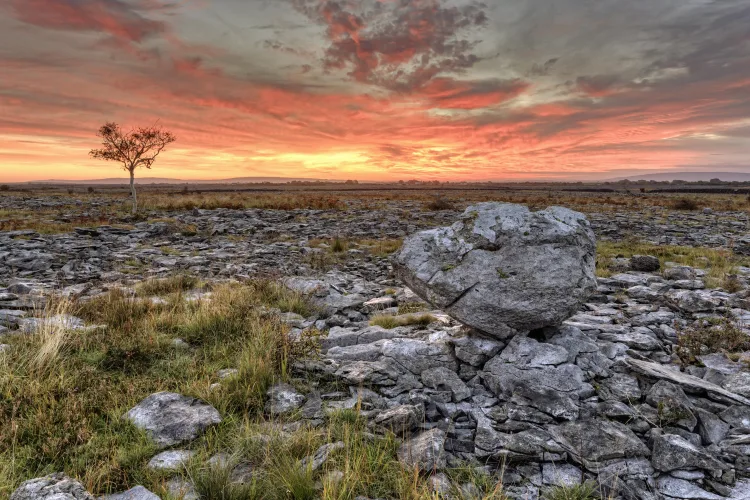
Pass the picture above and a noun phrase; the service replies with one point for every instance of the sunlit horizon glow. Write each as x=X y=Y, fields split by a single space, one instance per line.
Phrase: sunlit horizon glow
x=378 y=90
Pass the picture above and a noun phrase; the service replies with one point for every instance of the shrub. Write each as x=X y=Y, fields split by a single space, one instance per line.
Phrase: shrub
x=583 y=491
x=685 y=204
x=388 y=322
x=440 y=203
x=5 y=187
x=708 y=336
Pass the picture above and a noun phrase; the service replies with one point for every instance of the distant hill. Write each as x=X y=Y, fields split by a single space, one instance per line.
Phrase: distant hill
x=165 y=180
x=690 y=176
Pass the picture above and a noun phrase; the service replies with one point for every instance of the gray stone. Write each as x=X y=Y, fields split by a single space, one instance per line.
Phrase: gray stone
x=137 y=493
x=503 y=269
x=316 y=461
x=692 y=301
x=561 y=474
x=659 y=371
x=679 y=273
x=283 y=399
x=56 y=486
x=620 y=387
x=673 y=487
x=171 y=418
x=738 y=383
x=181 y=489
x=400 y=419
x=711 y=428
x=673 y=452
x=425 y=451
x=443 y=379
x=598 y=440
x=171 y=460
x=644 y=263
x=476 y=350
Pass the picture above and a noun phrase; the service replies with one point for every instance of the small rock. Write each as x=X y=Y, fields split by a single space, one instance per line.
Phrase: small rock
x=171 y=418
x=137 y=493
x=53 y=487
x=171 y=460
x=283 y=399
x=644 y=263
x=425 y=451
x=320 y=457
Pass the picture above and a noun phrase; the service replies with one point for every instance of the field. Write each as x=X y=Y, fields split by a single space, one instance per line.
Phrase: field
x=191 y=296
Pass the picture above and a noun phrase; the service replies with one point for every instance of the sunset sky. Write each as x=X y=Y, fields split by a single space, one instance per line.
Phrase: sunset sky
x=378 y=89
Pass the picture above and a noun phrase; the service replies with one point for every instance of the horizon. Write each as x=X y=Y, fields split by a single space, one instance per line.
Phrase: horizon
x=378 y=90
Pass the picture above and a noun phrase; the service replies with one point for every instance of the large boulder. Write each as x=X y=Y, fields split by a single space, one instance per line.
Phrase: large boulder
x=503 y=269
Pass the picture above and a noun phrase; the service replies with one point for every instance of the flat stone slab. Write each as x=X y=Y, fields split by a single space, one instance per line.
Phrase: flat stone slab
x=171 y=418
x=662 y=372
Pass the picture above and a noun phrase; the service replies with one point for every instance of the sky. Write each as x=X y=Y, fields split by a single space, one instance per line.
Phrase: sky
x=378 y=89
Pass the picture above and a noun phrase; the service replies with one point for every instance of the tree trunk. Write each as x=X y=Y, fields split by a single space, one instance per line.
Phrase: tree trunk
x=132 y=191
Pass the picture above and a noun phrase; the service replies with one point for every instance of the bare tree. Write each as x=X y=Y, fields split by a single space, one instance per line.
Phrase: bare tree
x=137 y=148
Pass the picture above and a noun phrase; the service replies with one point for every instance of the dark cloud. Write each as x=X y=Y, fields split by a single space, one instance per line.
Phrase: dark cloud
x=399 y=45
x=119 y=19
x=542 y=69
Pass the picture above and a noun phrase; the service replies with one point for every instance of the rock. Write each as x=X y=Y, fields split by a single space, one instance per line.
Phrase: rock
x=283 y=399
x=400 y=419
x=440 y=485
x=443 y=379
x=598 y=440
x=320 y=457
x=171 y=418
x=56 y=486
x=181 y=489
x=425 y=452
x=679 y=273
x=171 y=460
x=137 y=493
x=658 y=371
x=738 y=383
x=476 y=350
x=673 y=487
x=561 y=474
x=672 y=452
x=503 y=269
x=644 y=263
x=692 y=301
x=711 y=428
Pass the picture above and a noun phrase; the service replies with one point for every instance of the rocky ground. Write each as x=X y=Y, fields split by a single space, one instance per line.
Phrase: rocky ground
x=643 y=392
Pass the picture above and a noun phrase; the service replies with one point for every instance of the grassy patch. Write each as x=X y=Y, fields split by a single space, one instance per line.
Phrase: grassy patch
x=718 y=262
x=64 y=392
x=241 y=201
x=708 y=336
x=166 y=286
x=387 y=321
x=583 y=491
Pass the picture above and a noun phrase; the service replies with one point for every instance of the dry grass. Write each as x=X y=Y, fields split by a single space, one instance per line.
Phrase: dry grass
x=718 y=263
x=241 y=201
x=388 y=321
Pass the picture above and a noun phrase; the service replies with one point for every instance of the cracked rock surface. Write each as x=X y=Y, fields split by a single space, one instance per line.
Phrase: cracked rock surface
x=503 y=269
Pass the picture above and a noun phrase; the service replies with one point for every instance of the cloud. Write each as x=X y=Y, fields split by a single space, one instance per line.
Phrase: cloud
x=117 y=18
x=398 y=45
x=447 y=93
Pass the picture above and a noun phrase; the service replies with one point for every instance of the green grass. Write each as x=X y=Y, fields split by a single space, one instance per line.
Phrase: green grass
x=717 y=262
